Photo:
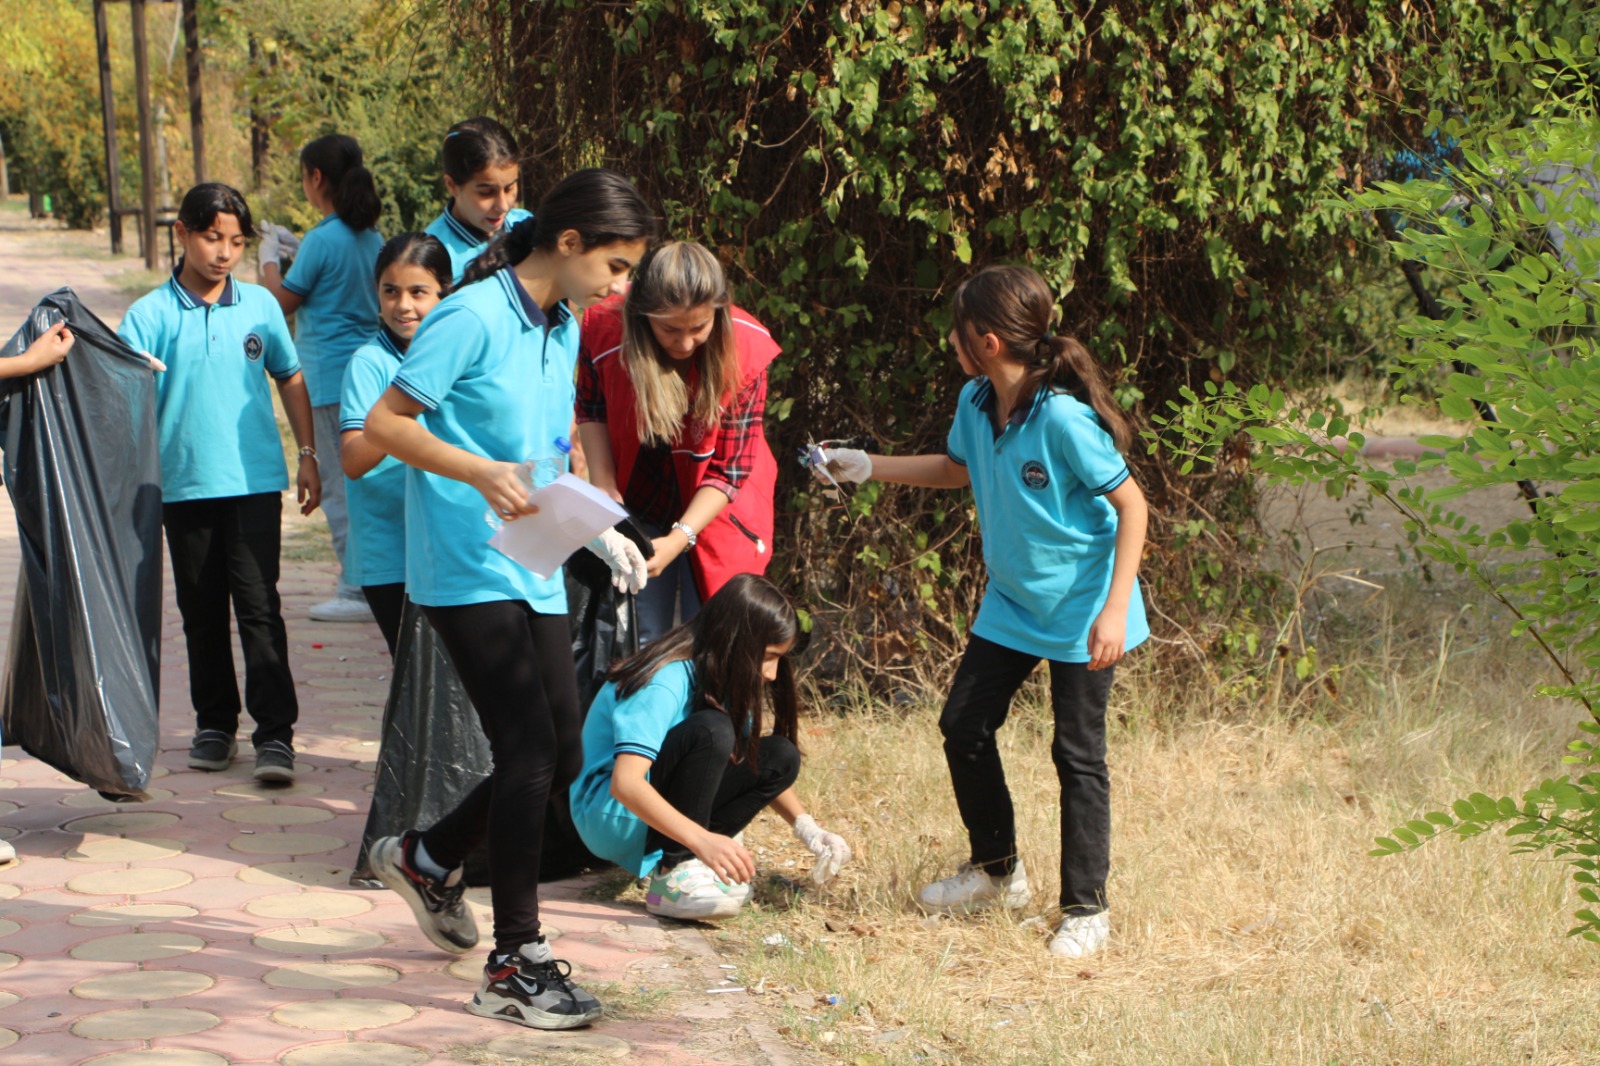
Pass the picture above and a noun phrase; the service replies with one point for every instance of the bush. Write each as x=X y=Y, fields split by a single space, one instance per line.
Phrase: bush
x=1174 y=169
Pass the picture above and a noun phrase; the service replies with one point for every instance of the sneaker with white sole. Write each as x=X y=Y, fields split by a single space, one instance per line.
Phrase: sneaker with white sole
x=7 y=852
x=971 y=888
x=437 y=905
x=534 y=988
x=341 y=609
x=691 y=892
x=212 y=750
x=275 y=762
x=1081 y=934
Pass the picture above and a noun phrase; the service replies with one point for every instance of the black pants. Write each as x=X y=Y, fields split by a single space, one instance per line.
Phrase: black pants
x=693 y=772
x=516 y=666
x=980 y=698
x=388 y=602
x=225 y=551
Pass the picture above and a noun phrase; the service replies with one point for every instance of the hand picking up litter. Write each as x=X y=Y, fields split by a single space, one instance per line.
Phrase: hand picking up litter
x=830 y=848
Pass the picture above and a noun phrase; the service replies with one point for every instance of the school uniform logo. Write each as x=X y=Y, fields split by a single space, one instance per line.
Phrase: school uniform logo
x=253 y=347
x=1034 y=475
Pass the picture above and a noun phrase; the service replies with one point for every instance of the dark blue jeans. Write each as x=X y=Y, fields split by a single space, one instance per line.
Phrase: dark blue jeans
x=980 y=699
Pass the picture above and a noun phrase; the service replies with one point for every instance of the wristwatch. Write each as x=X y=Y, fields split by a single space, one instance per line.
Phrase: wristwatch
x=688 y=532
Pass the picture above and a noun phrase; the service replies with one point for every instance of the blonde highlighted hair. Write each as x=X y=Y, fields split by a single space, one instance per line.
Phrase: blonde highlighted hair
x=674 y=277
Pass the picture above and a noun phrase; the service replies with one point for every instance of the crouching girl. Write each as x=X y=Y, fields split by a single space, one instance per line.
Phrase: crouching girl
x=677 y=760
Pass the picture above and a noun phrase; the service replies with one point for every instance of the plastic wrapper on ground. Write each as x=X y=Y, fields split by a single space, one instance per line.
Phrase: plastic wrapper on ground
x=83 y=469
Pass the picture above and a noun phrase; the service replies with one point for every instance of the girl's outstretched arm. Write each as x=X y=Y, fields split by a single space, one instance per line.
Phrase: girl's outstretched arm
x=1110 y=629
x=927 y=471
x=630 y=786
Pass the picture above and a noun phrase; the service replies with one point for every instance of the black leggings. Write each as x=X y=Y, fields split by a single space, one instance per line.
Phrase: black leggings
x=388 y=603
x=516 y=666
x=693 y=772
x=980 y=698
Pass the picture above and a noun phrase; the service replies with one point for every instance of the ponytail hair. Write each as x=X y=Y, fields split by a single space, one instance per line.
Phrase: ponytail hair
x=417 y=249
x=677 y=276
x=355 y=196
x=727 y=641
x=1015 y=304
x=602 y=205
x=475 y=143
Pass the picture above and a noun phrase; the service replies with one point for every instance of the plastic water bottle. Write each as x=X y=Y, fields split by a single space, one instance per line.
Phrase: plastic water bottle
x=537 y=472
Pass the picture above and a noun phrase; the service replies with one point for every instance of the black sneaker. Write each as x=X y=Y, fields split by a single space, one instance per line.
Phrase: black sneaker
x=212 y=749
x=275 y=762
x=533 y=988
x=437 y=905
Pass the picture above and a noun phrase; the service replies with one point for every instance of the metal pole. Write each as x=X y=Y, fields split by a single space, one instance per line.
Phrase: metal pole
x=191 y=55
x=108 y=120
x=147 y=138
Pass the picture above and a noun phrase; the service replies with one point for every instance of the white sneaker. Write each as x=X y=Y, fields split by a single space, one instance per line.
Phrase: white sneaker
x=7 y=852
x=1081 y=934
x=691 y=891
x=340 y=609
x=972 y=889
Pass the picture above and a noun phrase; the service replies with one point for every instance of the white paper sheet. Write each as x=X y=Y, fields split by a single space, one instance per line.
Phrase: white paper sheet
x=572 y=512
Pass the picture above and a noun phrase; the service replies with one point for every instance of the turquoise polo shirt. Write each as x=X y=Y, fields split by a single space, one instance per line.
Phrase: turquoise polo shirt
x=465 y=243
x=214 y=420
x=375 y=550
x=333 y=274
x=496 y=377
x=1049 y=535
x=633 y=726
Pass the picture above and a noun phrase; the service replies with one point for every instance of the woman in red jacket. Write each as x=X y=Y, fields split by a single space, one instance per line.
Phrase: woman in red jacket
x=672 y=391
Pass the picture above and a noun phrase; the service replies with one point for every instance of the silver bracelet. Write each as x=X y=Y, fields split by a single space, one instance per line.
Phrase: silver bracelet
x=688 y=532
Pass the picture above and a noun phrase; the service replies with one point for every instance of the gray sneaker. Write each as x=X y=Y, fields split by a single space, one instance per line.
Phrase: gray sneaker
x=275 y=762
x=531 y=987
x=212 y=749
x=437 y=905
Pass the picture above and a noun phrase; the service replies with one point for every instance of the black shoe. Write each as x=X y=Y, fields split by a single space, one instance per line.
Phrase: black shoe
x=437 y=905
x=533 y=988
x=212 y=749
x=275 y=762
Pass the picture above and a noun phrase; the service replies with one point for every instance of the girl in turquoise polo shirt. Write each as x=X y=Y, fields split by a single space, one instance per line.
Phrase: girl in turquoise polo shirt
x=329 y=291
x=483 y=176
x=487 y=385
x=222 y=475
x=1040 y=439
x=413 y=275
x=676 y=761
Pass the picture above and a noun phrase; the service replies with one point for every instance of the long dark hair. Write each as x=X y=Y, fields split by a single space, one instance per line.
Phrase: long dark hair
x=475 y=143
x=355 y=196
x=1015 y=304
x=419 y=249
x=203 y=203
x=727 y=642
x=602 y=205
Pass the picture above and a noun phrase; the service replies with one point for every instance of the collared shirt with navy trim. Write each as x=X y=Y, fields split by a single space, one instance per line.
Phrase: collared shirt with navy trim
x=635 y=725
x=215 y=423
x=1049 y=535
x=495 y=375
x=375 y=549
x=332 y=273
x=465 y=243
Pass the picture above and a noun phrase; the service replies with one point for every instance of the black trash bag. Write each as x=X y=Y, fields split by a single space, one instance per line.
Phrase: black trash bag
x=83 y=468
x=433 y=752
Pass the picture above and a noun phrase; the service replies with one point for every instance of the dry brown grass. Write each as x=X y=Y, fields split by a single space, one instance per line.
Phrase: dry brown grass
x=1249 y=924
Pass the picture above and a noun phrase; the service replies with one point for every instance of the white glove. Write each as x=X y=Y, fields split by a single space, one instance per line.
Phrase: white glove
x=271 y=246
x=287 y=241
x=847 y=464
x=628 y=571
x=829 y=848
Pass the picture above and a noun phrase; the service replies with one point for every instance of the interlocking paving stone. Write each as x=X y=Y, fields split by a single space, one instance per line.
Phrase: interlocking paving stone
x=317 y=940
x=123 y=849
x=356 y=1054
x=277 y=814
x=295 y=873
x=309 y=905
x=252 y=790
x=131 y=914
x=7 y=927
x=331 y=976
x=144 y=1023
x=144 y=985
x=288 y=844
x=160 y=1056
x=87 y=798
x=120 y=822
x=137 y=947
x=7 y=1037
x=128 y=882
x=344 y=1014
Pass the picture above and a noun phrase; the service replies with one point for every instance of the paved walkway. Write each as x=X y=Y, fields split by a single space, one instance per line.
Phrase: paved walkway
x=214 y=924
